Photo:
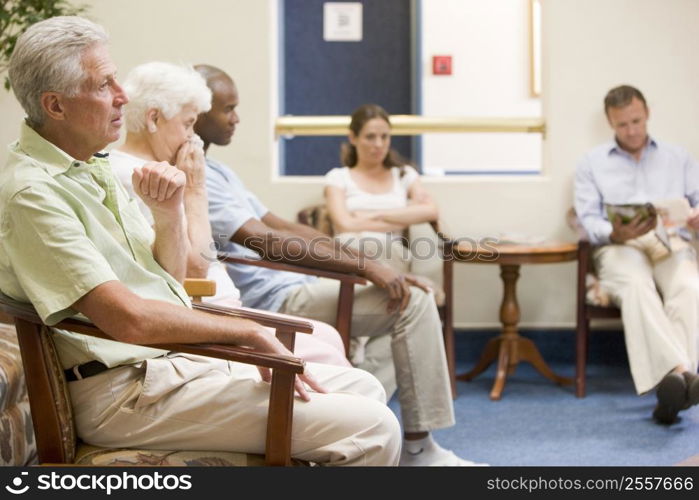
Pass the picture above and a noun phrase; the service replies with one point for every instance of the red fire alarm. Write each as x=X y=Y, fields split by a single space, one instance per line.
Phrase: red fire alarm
x=441 y=65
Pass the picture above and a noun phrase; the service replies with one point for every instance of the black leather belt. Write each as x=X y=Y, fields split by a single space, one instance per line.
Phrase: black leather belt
x=85 y=370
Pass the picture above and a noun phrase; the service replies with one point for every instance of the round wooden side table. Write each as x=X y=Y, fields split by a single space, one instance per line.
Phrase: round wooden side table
x=509 y=348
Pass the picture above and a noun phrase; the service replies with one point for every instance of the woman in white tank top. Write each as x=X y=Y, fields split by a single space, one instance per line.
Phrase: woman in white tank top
x=376 y=196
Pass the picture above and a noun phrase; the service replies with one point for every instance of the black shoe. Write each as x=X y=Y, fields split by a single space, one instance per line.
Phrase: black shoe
x=692 y=381
x=672 y=397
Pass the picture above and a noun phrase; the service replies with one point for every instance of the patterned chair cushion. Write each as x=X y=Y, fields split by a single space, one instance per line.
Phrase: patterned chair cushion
x=95 y=456
x=17 y=445
x=595 y=294
x=12 y=386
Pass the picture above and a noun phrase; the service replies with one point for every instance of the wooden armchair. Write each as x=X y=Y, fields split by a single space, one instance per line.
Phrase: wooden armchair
x=588 y=305
x=317 y=217
x=51 y=409
x=343 y=321
x=198 y=288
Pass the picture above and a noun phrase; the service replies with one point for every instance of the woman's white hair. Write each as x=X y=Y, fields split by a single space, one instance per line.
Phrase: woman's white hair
x=163 y=86
x=48 y=57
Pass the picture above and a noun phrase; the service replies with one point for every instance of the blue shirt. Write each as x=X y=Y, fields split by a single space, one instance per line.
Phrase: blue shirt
x=231 y=205
x=610 y=175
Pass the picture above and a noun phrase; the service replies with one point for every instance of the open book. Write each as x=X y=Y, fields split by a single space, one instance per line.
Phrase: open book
x=673 y=215
x=674 y=212
x=629 y=212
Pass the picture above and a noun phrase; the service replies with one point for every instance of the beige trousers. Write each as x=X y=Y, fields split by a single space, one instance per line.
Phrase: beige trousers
x=381 y=247
x=416 y=342
x=659 y=303
x=373 y=354
x=186 y=402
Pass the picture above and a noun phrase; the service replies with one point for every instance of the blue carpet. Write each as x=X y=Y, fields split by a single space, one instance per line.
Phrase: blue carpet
x=539 y=423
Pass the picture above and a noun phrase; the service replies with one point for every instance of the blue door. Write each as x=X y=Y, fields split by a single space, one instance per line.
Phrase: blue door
x=334 y=78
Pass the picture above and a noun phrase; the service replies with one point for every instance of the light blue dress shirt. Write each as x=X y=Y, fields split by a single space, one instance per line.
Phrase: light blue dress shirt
x=610 y=175
x=231 y=205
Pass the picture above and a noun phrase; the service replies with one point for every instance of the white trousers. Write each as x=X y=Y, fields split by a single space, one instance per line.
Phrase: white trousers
x=186 y=402
x=659 y=304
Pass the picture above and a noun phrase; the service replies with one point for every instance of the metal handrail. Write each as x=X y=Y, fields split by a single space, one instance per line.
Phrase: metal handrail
x=290 y=126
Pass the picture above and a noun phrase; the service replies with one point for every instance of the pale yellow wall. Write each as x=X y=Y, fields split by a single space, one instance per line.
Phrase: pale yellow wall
x=490 y=75
x=231 y=34
x=588 y=47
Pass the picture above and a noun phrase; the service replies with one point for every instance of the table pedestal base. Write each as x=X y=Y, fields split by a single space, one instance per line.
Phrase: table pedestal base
x=510 y=348
x=509 y=351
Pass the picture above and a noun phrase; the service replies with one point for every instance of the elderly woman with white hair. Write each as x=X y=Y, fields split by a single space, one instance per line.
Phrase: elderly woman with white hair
x=164 y=102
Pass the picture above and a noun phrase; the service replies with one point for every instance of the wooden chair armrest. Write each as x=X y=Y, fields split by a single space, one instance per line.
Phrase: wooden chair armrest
x=347 y=281
x=271 y=320
x=227 y=352
x=584 y=256
x=438 y=228
x=278 y=266
x=196 y=287
x=239 y=354
x=286 y=326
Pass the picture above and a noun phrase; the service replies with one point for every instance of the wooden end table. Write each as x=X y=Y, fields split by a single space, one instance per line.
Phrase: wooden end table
x=509 y=348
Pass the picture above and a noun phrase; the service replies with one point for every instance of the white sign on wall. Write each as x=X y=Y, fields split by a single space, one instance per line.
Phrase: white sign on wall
x=342 y=21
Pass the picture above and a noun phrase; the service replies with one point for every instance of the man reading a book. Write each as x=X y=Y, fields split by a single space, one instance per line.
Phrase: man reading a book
x=648 y=269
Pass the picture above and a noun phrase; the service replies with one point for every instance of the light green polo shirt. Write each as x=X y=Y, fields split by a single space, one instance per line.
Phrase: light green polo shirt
x=58 y=241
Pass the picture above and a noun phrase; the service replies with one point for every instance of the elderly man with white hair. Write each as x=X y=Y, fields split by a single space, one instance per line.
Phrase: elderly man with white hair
x=164 y=102
x=71 y=242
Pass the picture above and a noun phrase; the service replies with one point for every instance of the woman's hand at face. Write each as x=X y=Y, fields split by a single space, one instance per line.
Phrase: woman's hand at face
x=190 y=160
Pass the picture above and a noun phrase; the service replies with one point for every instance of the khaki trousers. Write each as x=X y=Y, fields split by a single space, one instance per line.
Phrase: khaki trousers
x=416 y=342
x=659 y=304
x=380 y=247
x=186 y=402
